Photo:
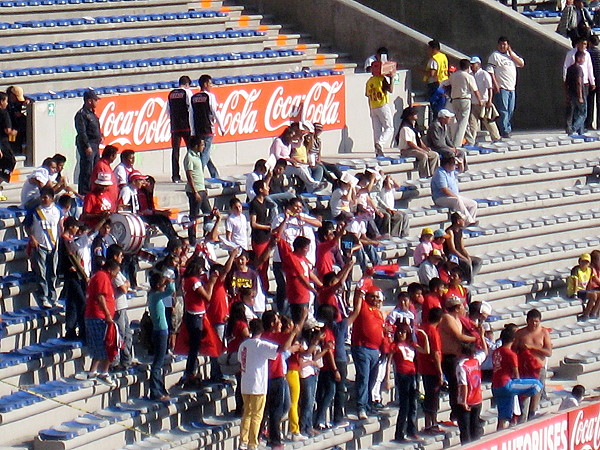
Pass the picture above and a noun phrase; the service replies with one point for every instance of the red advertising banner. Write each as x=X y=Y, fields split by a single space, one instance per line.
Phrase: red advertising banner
x=584 y=428
x=247 y=111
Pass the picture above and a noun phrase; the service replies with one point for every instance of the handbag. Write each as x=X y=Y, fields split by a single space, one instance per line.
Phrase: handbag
x=489 y=113
x=229 y=363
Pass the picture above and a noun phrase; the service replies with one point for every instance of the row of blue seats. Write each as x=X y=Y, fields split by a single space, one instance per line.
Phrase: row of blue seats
x=32 y=352
x=23 y=3
x=17 y=279
x=540 y=14
x=155 y=39
x=49 y=23
x=123 y=89
x=149 y=62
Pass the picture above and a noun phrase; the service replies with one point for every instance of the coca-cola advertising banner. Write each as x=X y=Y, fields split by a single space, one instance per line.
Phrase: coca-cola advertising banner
x=247 y=111
x=577 y=429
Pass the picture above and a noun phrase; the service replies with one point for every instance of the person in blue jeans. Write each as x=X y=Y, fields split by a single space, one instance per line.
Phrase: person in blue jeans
x=506 y=384
x=367 y=339
x=160 y=288
x=576 y=102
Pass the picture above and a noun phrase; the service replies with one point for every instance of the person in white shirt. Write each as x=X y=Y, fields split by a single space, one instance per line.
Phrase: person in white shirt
x=358 y=227
x=573 y=399
x=504 y=62
x=40 y=177
x=254 y=355
x=428 y=268
x=411 y=143
x=463 y=88
x=124 y=168
x=483 y=79
x=236 y=225
x=589 y=80
x=259 y=173
x=43 y=225
x=128 y=195
x=343 y=197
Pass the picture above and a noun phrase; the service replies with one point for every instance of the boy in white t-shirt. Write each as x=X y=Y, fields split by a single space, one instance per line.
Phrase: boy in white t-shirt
x=254 y=355
x=236 y=226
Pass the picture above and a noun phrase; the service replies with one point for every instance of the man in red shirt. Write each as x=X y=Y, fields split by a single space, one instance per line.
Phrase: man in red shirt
x=506 y=383
x=100 y=309
x=434 y=298
x=97 y=204
x=109 y=155
x=367 y=340
x=298 y=273
x=430 y=368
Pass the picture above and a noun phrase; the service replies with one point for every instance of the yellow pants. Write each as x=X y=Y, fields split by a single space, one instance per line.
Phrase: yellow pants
x=254 y=406
x=293 y=379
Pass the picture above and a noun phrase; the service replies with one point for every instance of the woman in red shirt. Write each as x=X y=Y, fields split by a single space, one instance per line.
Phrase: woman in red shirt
x=197 y=291
x=236 y=331
x=403 y=354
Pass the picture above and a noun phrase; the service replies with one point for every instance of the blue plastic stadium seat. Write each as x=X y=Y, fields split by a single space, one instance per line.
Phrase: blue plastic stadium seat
x=142 y=40
x=183 y=37
x=20 y=3
x=220 y=57
x=150 y=86
x=12 y=26
x=63 y=22
x=89 y=20
x=231 y=80
x=168 y=61
x=129 y=63
x=170 y=16
x=142 y=63
x=77 y=21
x=109 y=90
x=297 y=52
x=222 y=35
x=154 y=61
x=71 y=94
x=115 y=65
x=123 y=89
x=116 y=19
x=101 y=66
x=246 y=33
x=270 y=77
x=129 y=41
x=285 y=53
x=7 y=4
x=207 y=58
x=196 y=36
x=143 y=17
x=49 y=70
x=259 y=55
x=196 y=14
x=257 y=78
x=156 y=39
x=164 y=85
x=218 y=81
x=103 y=42
x=116 y=41
x=23 y=72
x=208 y=35
x=323 y=72
x=75 y=44
x=182 y=60
x=55 y=435
x=233 y=56
x=183 y=15
x=18 y=48
x=6 y=50
x=296 y=75
x=156 y=16
x=34 y=3
x=88 y=67
x=129 y=18
x=284 y=76
x=102 y=19
x=219 y=14
x=4 y=26
x=170 y=38
x=35 y=71
x=75 y=68
x=194 y=59
x=310 y=74
x=271 y=53
x=50 y=23
x=137 y=87
x=90 y=43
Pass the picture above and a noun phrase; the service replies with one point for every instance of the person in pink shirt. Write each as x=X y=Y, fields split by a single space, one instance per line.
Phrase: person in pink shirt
x=424 y=246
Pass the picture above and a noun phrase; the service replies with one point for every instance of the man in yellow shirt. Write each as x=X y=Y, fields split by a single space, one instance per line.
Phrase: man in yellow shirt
x=436 y=71
x=382 y=116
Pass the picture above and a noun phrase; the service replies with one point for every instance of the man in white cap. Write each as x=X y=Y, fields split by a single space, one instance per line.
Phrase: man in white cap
x=438 y=139
x=98 y=203
x=483 y=79
x=463 y=89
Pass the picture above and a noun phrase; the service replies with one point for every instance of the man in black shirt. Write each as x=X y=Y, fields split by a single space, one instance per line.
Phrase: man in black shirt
x=88 y=139
x=261 y=226
x=576 y=105
x=180 y=110
x=7 y=159
x=204 y=113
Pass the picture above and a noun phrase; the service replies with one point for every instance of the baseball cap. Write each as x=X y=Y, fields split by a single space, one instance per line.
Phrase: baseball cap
x=586 y=257
x=18 y=93
x=104 y=179
x=312 y=323
x=90 y=94
x=426 y=231
x=475 y=60
x=137 y=175
x=453 y=259
x=436 y=252
x=453 y=301
x=440 y=233
x=486 y=308
x=375 y=291
x=444 y=113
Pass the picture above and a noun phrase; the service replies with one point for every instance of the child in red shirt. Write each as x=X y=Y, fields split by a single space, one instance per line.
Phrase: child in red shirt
x=468 y=375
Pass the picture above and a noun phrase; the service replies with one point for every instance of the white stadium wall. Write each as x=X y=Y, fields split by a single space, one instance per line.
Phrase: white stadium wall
x=54 y=132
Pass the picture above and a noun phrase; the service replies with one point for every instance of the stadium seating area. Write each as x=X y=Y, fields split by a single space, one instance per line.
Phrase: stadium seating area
x=537 y=210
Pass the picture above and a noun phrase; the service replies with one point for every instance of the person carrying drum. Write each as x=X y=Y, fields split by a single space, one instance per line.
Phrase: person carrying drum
x=97 y=203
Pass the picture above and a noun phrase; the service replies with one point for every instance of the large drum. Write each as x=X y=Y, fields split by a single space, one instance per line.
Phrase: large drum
x=129 y=230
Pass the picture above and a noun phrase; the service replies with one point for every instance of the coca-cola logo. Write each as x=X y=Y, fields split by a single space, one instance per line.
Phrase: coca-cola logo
x=148 y=125
x=249 y=111
x=585 y=432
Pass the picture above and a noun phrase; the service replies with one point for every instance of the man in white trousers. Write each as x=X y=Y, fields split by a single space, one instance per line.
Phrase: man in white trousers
x=445 y=192
x=378 y=90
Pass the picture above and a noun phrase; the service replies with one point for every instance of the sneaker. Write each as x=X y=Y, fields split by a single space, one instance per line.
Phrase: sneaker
x=107 y=379
x=321 y=427
x=582 y=318
x=243 y=446
x=362 y=415
x=342 y=424
x=415 y=437
x=46 y=304
x=297 y=437
x=377 y=405
x=82 y=376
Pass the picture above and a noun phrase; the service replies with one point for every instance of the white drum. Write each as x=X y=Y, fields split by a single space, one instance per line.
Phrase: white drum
x=129 y=230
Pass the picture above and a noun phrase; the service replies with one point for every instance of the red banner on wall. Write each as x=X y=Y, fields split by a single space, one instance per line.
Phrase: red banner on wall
x=140 y=121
